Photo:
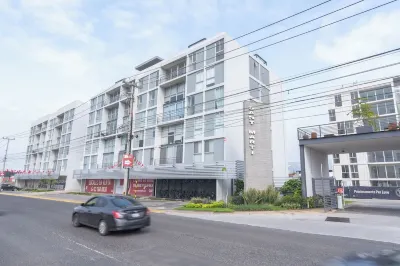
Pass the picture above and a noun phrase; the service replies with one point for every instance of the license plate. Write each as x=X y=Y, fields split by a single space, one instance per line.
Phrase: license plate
x=135 y=215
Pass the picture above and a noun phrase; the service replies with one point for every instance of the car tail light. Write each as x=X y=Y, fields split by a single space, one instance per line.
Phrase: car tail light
x=147 y=212
x=117 y=215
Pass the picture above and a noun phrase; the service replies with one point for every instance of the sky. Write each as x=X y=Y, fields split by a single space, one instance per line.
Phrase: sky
x=53 y=52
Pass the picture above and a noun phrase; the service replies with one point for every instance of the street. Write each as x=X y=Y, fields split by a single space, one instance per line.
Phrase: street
x=39 y=232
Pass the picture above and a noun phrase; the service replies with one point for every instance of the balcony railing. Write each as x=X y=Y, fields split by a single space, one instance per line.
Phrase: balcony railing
x=173 y=115
x=114 y=98
x=174 y=74
x=351 y=127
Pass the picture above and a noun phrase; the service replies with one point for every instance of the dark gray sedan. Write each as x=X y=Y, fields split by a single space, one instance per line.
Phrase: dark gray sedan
x=111 y=213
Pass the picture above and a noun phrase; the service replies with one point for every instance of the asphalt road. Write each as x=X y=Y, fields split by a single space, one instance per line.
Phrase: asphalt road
x=374 y=206
x=39 y=232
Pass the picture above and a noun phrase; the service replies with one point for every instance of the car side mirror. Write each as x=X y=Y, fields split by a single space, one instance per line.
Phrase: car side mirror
x=83 y=204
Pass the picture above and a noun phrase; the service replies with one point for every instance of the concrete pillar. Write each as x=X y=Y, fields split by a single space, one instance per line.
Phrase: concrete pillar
x=314 y=164
x=223 y=189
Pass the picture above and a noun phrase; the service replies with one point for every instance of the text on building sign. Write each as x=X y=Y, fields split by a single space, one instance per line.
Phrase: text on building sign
x=252 y=133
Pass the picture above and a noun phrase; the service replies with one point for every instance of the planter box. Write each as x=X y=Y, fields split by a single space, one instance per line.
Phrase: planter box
x=364 y=129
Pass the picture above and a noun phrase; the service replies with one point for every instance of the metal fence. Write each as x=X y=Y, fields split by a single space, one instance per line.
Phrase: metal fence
x=325 y=189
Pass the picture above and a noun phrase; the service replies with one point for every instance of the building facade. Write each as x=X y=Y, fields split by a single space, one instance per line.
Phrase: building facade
x=188 y=122
x=55 y=147
x=378 y=168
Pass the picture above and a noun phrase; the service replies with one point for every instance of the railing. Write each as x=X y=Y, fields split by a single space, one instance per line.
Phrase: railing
x=351 y=127
x=113 y=99
x=174 y=74
x=173 y=115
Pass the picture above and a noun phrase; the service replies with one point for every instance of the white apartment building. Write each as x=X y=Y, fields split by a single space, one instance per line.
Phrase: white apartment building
x=188 y=122
x=379 y=168
x=55 y=146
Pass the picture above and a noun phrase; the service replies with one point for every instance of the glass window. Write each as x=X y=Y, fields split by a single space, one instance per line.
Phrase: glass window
x=345 y=171
x=388 y=156
x=354 y=171
x=99 y=114
x=199 y=81
x=91 y=202
x=209 y=146
x=338 y=100
x=390 y=171
x=336 y=158
x=151 y=117
x=341 y=130
x=198 y=126
x=152 y=98
x=125 y=202
x=93 y=162
x=332 y=115
x=353 y=157
x=354 y=97
x=91 y=118
x=86 y=162
x=210 y=76
x=88 y=147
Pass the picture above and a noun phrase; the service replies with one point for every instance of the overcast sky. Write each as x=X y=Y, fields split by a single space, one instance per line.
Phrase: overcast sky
x=53 y=52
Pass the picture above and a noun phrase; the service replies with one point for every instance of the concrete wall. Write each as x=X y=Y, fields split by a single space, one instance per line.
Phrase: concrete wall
x=258 y=160
x=315 y=165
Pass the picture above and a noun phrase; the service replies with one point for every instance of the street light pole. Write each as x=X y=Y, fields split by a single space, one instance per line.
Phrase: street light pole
x=129 y=133
x=5 y=155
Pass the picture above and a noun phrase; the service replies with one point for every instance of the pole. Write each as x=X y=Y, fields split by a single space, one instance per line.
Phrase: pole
x=130 y=134
x=5 y=155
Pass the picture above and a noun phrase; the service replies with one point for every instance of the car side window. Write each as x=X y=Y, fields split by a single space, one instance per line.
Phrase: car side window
x=101 y=202
x=91 y=202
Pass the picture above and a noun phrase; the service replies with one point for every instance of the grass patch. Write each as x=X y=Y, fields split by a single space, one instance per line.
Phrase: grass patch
x=256 y=207
x=37 y=190
x=348 y=202
x=204 y=209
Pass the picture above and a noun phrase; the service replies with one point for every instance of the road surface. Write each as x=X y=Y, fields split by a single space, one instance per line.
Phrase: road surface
x=39 y=232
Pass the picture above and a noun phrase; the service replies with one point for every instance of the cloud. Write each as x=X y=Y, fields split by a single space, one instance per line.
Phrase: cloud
x=376 y=35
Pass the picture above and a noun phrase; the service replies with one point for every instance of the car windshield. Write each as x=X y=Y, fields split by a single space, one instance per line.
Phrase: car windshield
x=125 y=202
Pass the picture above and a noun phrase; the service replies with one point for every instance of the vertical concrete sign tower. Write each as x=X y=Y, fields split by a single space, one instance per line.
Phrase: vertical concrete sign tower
x=257 y=145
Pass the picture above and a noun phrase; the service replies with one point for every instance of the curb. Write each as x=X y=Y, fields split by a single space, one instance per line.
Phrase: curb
x=60 y=200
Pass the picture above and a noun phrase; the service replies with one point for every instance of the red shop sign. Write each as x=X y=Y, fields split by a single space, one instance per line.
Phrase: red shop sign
x=142 y=188
x=99 y=186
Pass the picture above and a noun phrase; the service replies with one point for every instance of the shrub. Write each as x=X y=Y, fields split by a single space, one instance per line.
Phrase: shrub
x=215 y=204
x=193 y=205
x=268 y=195
x=291 y=206
x=295 y=199
x=251 y=196
x=315 y=201
x=200 y=200
x=254 y=207
x=236 y=200
x=291 y=187
x=239 y=187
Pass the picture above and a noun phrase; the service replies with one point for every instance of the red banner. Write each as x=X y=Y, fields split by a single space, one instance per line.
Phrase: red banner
x=99 y=186
x=141 y=187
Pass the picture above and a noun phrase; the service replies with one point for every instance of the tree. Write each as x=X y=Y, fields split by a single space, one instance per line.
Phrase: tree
x=291 y=187
x=363 y=112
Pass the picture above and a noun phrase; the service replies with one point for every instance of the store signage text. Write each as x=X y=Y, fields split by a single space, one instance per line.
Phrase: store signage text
x=100 y=185
x=141 y=187
x=252 y=133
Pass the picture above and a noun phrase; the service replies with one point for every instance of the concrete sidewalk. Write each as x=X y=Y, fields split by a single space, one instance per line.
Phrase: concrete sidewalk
x=361 y=226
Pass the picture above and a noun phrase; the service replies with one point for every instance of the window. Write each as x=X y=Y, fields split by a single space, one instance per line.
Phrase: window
x=172 y=134
x=69 y=127
x=91 y=118
x=336 y=158
x=332 y=115
x=353 y=157
x=338 y=100
x=138 y=139
x=95 y=146
x=173 y=111
x=377 y=94
x=152 y=98
x=124 y=202
x=151 y=117
x=390 y=171
x=174 y=93
x=93 y=104
x=108 y=160
x=219 y=97
x=388 y=156
x=88 y=147
x=198 y=126
x=86 y=160
x=219 y=50
x=197 y=154
x=141 y=104
x=96 y=131
x=354 y=97
x=143 y=84
x=109 y=145
x=196 y=60
x=153 y=80
x=195 y=104
x=345 y=171
x=383 y=108
x=199 y=81
x=215 y=51
x=93 y=162
x=111 y=127
x=210 y=76
x=91 y=202
x=140 y=119
x=355 y=183
x=354 y=171
x=113 y=114
x=99 y=115
x=150 y=136
x=100 y=101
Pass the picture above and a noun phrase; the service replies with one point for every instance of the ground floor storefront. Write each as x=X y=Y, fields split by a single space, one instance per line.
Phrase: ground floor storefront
x=160 y=188
x=41 y=183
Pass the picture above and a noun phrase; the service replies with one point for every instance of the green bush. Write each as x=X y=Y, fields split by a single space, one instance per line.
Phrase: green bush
x=193 y=205
x=291 y=206
x=291 y=187
x=200 y=200
x=254 y=207
x=236 y=200
x=315 y=201
x=293 y=199
x=254 y=196
x=215 y=204
x=239 y=187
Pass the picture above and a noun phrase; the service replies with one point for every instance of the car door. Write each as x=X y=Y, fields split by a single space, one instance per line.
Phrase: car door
x=97 y=211
x=85 y=216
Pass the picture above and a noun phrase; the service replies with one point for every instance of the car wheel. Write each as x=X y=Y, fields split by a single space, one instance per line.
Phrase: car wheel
x=103 y=228
x=75 y=220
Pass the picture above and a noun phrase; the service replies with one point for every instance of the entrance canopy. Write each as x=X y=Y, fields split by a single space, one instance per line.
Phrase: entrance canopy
x=317 y=142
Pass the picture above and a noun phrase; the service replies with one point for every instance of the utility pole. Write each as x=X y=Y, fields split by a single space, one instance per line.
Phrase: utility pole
x=5 y=155
x=130 y=132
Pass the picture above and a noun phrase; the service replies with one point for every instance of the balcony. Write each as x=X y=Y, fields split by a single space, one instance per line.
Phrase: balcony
x=174 y=74
x=58 y=123
x=172 y=117
x=351 y=127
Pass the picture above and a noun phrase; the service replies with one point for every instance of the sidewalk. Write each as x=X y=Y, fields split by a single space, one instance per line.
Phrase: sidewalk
x=361 y=226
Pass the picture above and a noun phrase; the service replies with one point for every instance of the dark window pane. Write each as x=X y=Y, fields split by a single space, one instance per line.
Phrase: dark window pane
x=125 y=202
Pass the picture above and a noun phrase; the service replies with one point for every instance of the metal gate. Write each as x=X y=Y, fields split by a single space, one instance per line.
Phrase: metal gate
x=325 y=188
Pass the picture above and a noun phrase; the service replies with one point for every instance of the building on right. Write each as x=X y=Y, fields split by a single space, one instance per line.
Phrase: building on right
x=377 y=168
